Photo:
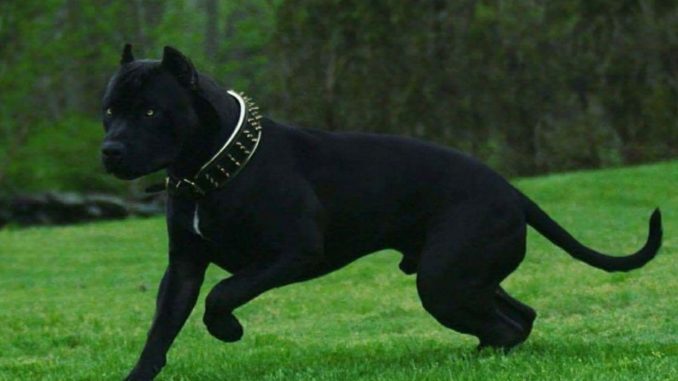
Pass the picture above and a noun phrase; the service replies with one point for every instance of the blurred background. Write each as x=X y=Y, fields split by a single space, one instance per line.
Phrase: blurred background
x=527 y=86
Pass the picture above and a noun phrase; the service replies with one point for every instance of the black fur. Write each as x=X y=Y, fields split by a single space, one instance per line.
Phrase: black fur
x=310 y=202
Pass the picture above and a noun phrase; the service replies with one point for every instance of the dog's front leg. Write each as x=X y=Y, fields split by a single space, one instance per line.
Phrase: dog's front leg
x=246 y=285
x=177 y=295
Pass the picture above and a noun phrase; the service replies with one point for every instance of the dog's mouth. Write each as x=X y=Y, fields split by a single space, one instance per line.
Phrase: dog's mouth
x=126 y=175
x=119 y=170
x=123 y=172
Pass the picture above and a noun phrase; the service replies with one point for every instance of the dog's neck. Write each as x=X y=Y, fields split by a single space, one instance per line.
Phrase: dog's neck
x=210 y=135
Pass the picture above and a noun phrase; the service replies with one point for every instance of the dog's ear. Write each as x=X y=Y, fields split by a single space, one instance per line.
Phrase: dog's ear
x=180 y=66
x=127 y=55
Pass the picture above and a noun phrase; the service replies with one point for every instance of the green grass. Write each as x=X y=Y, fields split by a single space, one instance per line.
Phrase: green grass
x=75 y=303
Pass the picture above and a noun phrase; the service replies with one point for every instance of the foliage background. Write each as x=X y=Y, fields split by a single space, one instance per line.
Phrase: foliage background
x=529 y=86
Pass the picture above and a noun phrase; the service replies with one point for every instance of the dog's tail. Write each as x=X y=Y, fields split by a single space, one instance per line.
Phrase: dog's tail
x=550 y=229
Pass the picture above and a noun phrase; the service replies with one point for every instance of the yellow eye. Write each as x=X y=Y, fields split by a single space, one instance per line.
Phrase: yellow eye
x=150 y=112
x=109 y=112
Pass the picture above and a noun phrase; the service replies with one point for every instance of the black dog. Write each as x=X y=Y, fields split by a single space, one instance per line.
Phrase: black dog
x=274 y=205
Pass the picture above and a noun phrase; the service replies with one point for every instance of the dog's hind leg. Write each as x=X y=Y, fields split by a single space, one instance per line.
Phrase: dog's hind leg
x=466 y=257
x=516 y=310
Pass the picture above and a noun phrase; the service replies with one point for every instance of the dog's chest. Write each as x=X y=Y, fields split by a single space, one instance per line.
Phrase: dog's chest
x=234 y=246
x=205 y=223
x=185 y=216
x=195 y=222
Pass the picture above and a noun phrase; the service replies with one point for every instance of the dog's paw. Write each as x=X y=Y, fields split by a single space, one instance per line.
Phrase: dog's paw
x=224 y=327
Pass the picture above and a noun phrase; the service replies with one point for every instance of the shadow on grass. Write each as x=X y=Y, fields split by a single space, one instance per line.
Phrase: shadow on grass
x=404 y=359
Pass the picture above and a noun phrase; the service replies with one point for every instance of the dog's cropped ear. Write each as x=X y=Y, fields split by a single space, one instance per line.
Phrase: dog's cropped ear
x=127 y=55
x=180 y=66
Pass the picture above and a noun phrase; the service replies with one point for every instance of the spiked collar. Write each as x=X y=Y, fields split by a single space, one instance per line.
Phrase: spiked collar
x=231 y=158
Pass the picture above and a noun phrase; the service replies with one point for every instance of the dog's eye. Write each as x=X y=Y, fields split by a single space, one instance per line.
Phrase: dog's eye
x=109 y=112
x=150 y=112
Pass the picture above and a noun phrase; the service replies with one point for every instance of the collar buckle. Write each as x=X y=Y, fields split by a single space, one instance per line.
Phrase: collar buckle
x=184 y=187
x=194 y=188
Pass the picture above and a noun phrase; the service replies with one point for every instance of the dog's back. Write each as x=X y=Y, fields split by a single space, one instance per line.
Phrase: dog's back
x=380 y=191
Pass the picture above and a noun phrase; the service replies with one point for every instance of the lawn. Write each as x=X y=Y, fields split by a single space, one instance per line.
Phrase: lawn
x=75 y=303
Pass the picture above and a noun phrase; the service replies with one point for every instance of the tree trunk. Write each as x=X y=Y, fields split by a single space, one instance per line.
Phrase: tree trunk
x=211 y=29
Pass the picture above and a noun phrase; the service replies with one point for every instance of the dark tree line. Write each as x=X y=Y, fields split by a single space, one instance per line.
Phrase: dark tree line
x=528 y=86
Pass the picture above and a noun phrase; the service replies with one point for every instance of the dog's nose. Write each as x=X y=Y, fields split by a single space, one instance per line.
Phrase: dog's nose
x=112 y=150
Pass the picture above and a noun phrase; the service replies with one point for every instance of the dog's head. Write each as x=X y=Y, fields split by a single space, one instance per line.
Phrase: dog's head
x=148 y=112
